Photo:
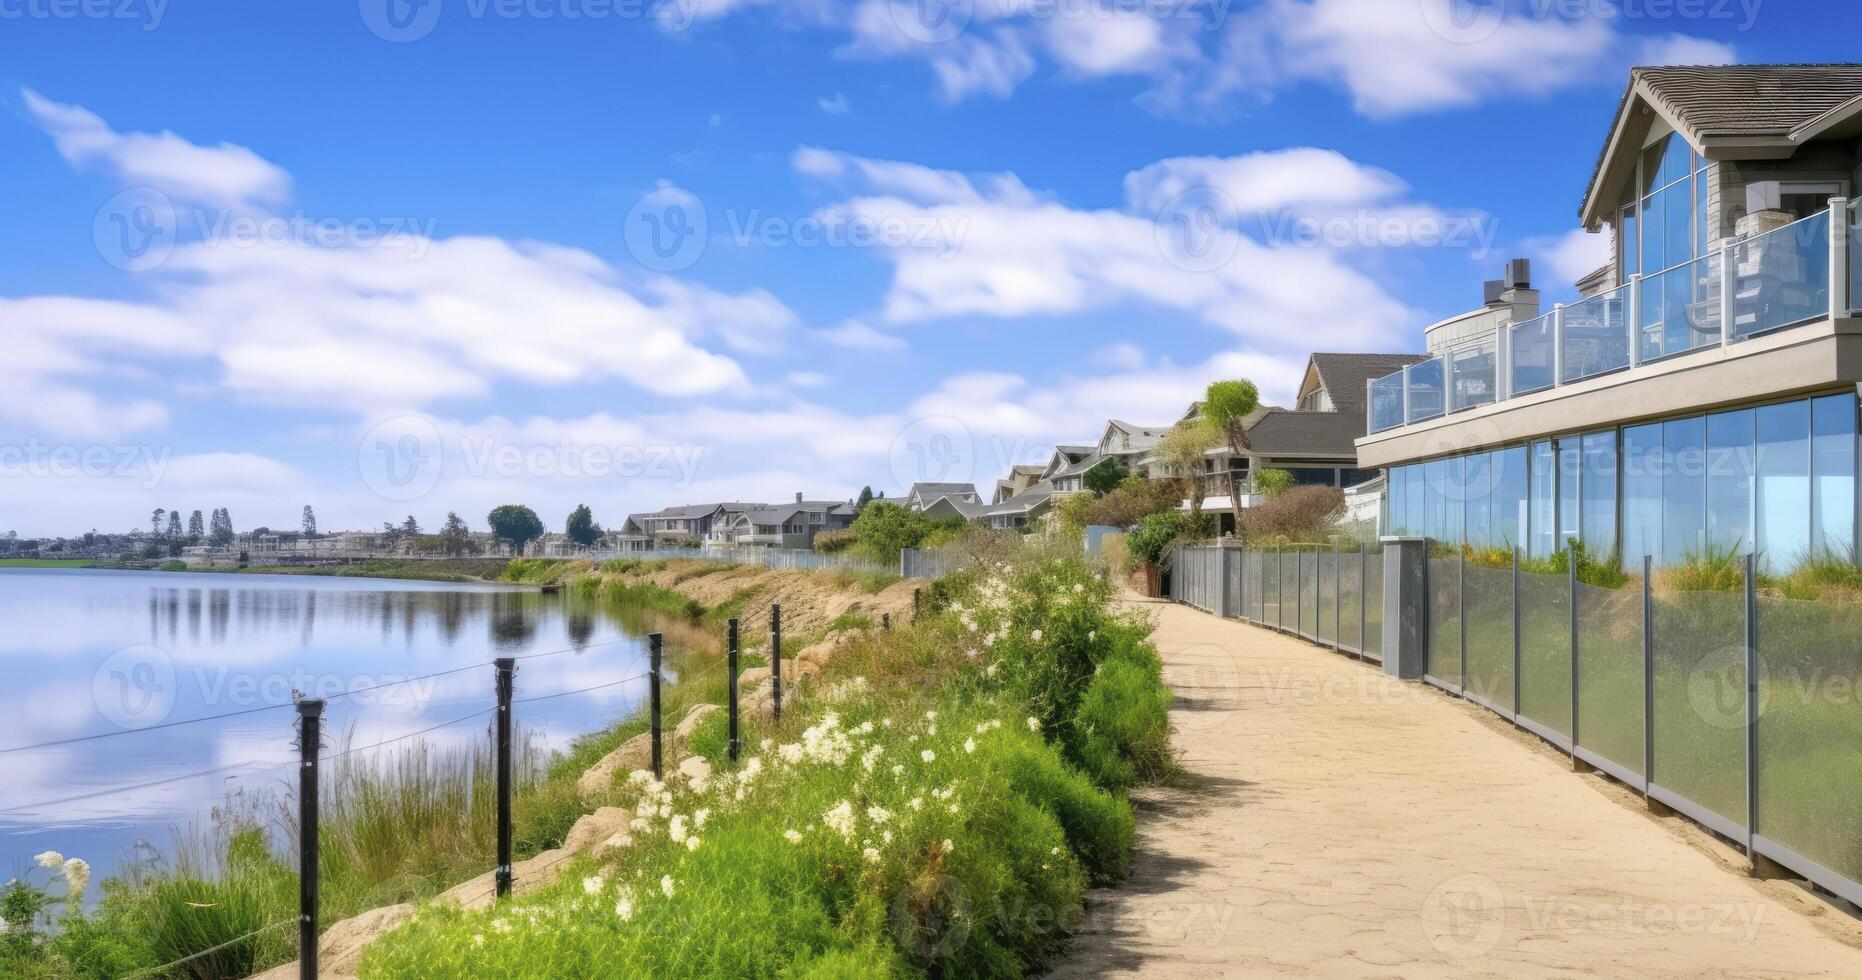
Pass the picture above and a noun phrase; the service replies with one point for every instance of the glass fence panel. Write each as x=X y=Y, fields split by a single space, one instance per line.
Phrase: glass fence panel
x=1700 y=686
x=1270 y=588
x=1531 y=346
x=1810 y=729
x=1327 y=628
x=1374 y=602
x=1251 y=586
x=1610 y=672
x=1425 y=390
x=1783 y=277
x=1545 y=650
x=1488 y=595
x=1680 y=309
x=1445 y=620
x=1596 y=335
x=1472 y=370
x=1387 y=402
x=1231 y=581
x=1308 y=579
x=1350 y=599
x=1855 y=255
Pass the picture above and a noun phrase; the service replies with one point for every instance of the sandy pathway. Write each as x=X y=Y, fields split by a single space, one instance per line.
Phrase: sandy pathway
x=1339 y=823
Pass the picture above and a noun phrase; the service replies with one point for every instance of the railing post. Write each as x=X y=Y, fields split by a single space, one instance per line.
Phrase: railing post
x=1502 y=378
x=1839 y=257
x=903 y=554
x=1406 y=415
x=1364 y=601
x=730 y=654
x=1370 y=405
x=1338 y=598
x=1633 y=314
x=1729 y=282
x=1517 y=658
x=1461 y=613
x=1752 y=701
x=1571 y=584
x=505 y=667
x=1648 y=676
x=654 y=645
x=1558 y=344
x=918 y=603
x=309 y=741
x=775 y=656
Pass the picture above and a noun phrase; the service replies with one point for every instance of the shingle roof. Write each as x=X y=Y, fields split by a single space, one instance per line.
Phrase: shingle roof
x=1344 y=376
x=1308 y=433
x=969 y=509
x=932 y=490
x=1026 y=500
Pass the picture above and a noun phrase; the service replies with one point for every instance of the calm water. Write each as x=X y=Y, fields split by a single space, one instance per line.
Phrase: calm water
x=86 y=653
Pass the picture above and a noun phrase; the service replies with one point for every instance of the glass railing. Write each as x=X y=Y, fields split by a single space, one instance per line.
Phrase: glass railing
x=1680 y=309
x=1533 y=344
x=1855 y=255
x=1387 y=402
x=1425 y=389
x=1782 y=277
x=1596 y=335
x=1472 y=376
x=1778 y=279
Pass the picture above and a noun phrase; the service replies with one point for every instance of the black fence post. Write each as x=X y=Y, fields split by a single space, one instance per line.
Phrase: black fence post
x=309 y=741
x=885 y=622
x=918 y=602
x=506 y=668
x=654 y=645
x=775 y=656
x=736 y=744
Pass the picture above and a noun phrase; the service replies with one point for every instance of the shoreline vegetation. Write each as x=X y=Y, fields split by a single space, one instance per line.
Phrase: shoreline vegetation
x=1036 y=638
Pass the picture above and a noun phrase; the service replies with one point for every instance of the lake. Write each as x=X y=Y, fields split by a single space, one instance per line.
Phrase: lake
x=118 y=665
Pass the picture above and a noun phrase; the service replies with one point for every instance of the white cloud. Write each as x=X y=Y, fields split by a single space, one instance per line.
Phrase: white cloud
x=855 y=335
x=1573 y=255
x=836 y=106
x=226 y=175
x=1297 y=177
x=808 y=379
x=1680 y=49
x=1108 y=42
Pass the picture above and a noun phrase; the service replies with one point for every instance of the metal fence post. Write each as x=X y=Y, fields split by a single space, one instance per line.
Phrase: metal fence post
x=506 y=667
x=1299 y=592
x=730 y=654
x=1571 y=583
x=1461 y=613
x=1517 y=659
x=654 y=646
x=1752 y=701
x=1338 y=600
x=918 y=604
x=775 y=656
x=885 y=622
x=1648 y=677
x=1364 y=601
x=903 y=553
x=309 y=740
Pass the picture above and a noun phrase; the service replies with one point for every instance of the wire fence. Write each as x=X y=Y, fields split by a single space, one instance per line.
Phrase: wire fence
x=1713 y=691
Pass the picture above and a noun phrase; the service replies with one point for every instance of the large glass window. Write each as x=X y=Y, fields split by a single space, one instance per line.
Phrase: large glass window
x=1569 y=482
x=1729 y=482
x=1414 y=502
x=1783 y=491
x=1597 y=520
x=1543 y=510
x=1480 y=480
x=1684 y=489
x=1509 y=497
x=1644 y=461
x=1833 y=475
x=1454 y=502
x=1670 y=232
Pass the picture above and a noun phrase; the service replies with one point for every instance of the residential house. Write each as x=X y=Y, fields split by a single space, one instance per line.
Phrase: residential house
x=1702 y=396
x=957 y=507
x=670 y=525
x=1021 y=510
x=791 y=525
x=1021 y=477
x=922 y=494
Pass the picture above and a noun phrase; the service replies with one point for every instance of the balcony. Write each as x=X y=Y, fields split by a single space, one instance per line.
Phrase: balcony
x=1807 y=272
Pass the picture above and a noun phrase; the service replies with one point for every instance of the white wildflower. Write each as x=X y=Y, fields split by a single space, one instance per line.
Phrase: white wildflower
x=990 y=671
x=1034 y=724
x=676 y=829
x=899 y=769
x=49 y=859
x=665 y=885
x=878 y=814
x=592 y=884
x=915 y=803
x=948 y=846
x=1036 y=635
x=928 y=755
x=77 y=874
x=871 y=855
x=792 y=836
x=500 y=925
x=478 y=939
x=691 y=843
x=969 y=745
x=699 y=818
x=840 y=818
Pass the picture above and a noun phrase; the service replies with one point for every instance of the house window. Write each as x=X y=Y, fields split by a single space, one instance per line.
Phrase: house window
x=1667 y=225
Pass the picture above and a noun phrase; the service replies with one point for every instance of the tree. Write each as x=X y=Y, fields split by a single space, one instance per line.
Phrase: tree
x=174 y=525
x=310 y=522
x=455 y=537
x=1228 y=405
x=866 y=497
x=1106 y=476
x=515 y=525
x=1273 y=483
x=1181 y=453
x=155 y=522
x=196 y=527
x=220 y=528
x=581 y=527
x=884 y=529
x=410 y=527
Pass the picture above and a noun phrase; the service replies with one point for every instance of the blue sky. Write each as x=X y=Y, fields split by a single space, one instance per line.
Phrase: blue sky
x=384 y=259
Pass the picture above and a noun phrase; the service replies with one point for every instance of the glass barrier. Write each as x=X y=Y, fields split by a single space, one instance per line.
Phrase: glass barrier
x=1596 y=335
x=1326 y=571
x=1350 y=599
x=1783 y=277
x=1531 y=348
x=1545 y=649
x=1425 y=389
x=1270 y=588
x=1680 y=309
x=1855 y=255
x=1472 y=378
x=1488 y=593
x=1445 y=620
x=1610 y=672
x=1374 y=602
x=1810 y=729
x=1309 y=594
x=1387 y=402
x=1700 y=684
x=1231 y=581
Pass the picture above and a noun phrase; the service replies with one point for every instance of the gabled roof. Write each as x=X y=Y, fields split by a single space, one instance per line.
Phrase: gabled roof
x=930 y=490
x=1345 y=375
x=1023 y=502
x=967 y=509
x=1287 y=433
x=1728 y=112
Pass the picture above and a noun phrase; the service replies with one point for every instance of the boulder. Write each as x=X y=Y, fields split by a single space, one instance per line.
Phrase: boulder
x=593 y=828
x=339 y=949
x=695 y=769
x=635 y=753
x=527 y=876
x=791 y=670
x=693 y=718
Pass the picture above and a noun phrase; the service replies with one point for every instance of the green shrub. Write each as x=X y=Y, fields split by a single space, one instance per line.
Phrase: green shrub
x=1123 y=723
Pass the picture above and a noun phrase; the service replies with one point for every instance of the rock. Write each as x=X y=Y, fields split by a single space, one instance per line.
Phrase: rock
x=791 y=670
x=695 y=769
x=635 y=753
x=596 y=827
x=618 y=842
x=693 y=718
x=339 y=949
x=527 y=876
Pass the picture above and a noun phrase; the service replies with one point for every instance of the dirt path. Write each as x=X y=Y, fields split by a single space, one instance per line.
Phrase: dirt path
x=1340 y=823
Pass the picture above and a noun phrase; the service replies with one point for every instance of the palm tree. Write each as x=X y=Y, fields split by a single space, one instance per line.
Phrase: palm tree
x=1228 y=406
